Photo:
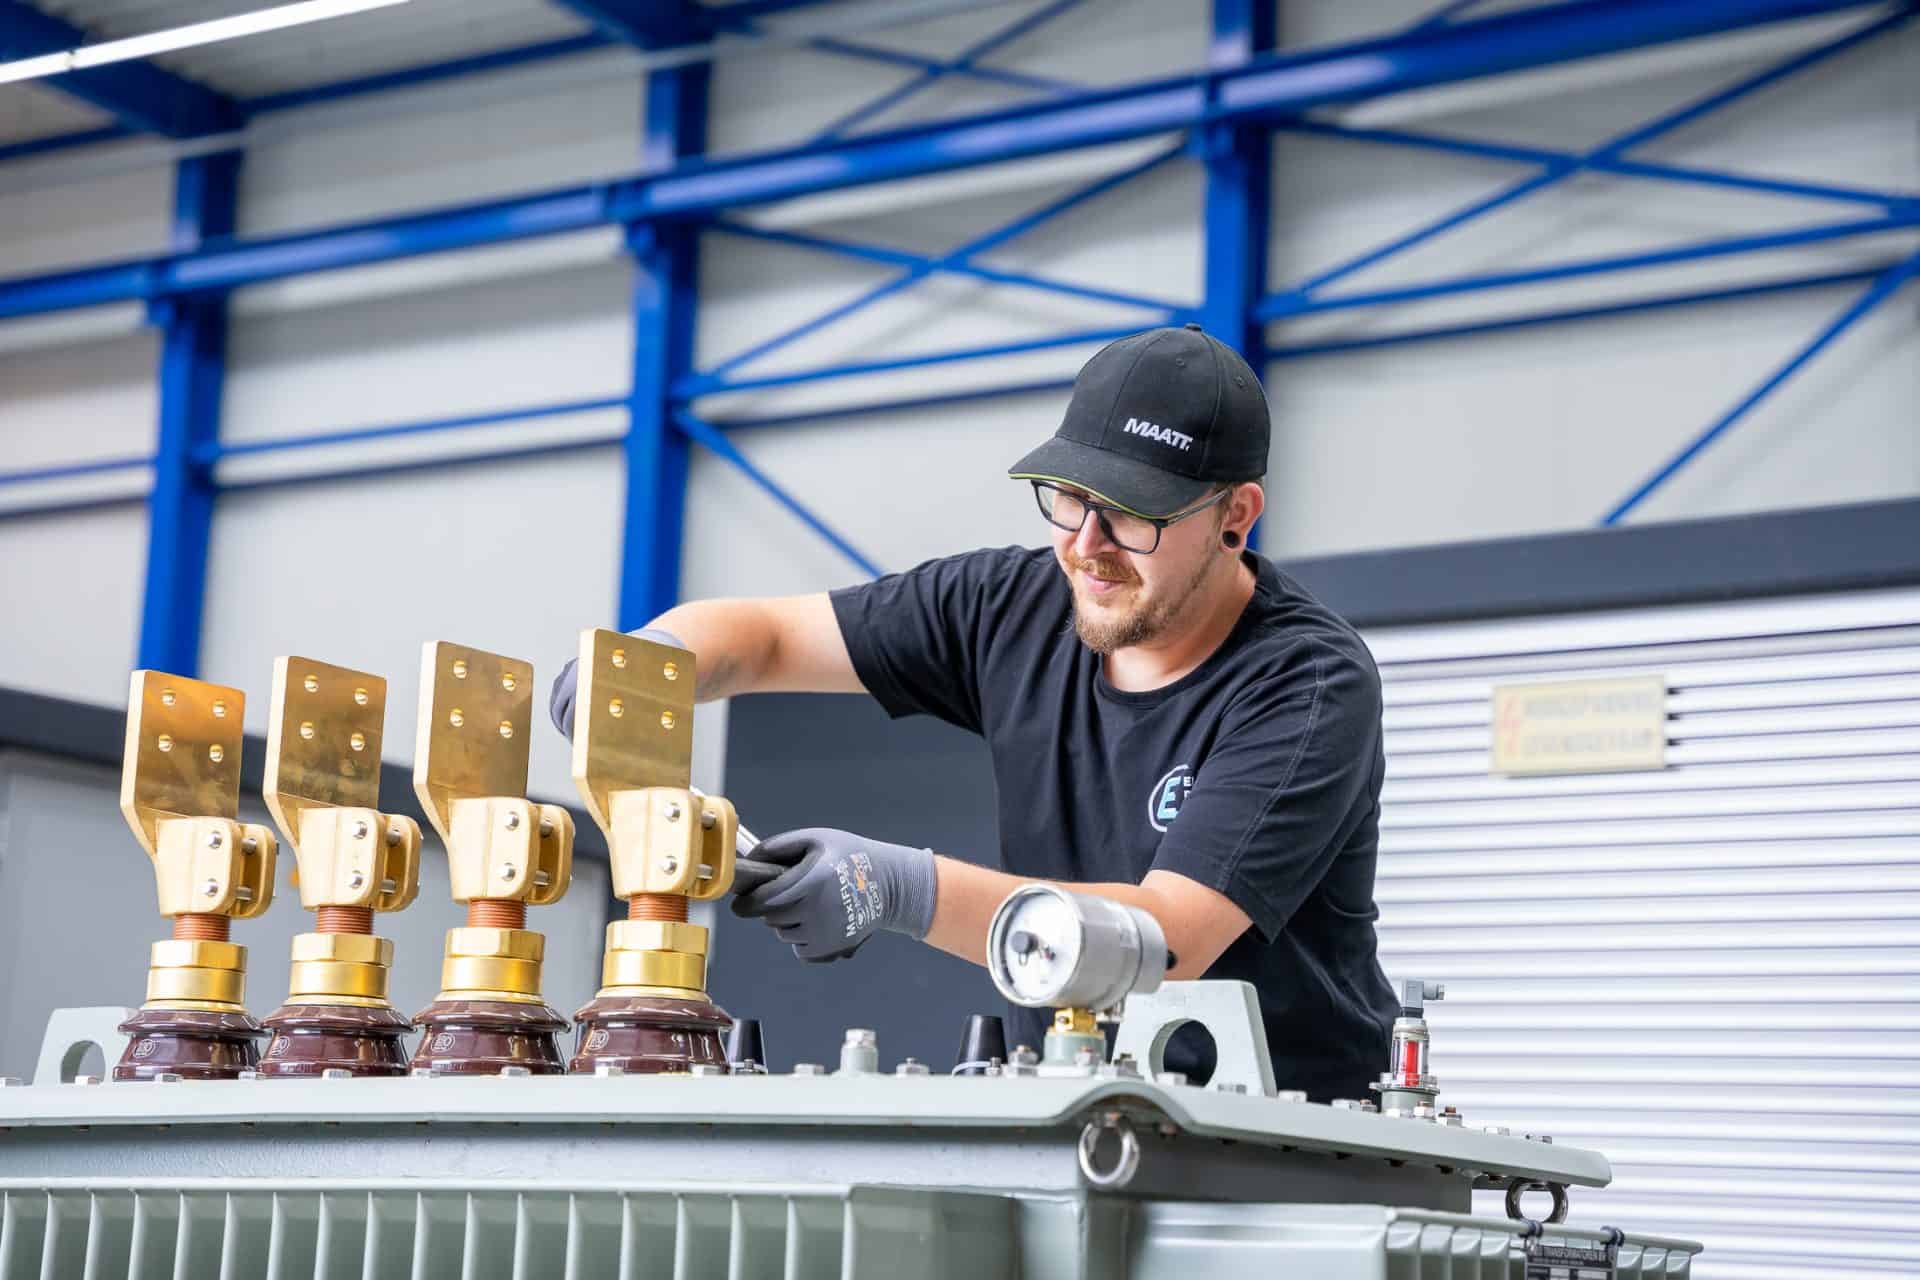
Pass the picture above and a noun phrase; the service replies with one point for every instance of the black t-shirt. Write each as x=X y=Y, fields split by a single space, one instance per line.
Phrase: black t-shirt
x=1257 y=775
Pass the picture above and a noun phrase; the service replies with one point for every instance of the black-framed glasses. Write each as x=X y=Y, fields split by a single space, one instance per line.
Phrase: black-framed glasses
x=1128 y=530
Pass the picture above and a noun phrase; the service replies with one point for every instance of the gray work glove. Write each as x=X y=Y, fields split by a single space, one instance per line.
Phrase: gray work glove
x=838 y=890
x=567 y=683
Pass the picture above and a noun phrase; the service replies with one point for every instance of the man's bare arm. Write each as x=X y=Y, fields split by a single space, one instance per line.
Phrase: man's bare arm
x=1199 y=922
x=788 y=644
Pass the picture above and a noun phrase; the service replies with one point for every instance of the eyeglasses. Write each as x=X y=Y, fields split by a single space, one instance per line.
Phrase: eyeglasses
x=1065 y=509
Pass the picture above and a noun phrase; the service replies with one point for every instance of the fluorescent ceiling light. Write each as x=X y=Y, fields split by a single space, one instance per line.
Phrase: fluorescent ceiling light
x=50 y=64
x=198 y=33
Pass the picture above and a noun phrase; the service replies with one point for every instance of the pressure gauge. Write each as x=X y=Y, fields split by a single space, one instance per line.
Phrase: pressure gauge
x=1048 y=948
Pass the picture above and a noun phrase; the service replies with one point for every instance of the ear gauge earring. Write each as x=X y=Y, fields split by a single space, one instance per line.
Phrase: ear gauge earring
x=1231 y=538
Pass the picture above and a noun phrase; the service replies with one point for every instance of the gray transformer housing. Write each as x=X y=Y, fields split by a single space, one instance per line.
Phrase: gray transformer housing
x=847 y=1175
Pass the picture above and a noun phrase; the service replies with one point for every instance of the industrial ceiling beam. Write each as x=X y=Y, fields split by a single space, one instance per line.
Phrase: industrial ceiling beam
x=648 y=24
x=1273 y=88
x=139 y=95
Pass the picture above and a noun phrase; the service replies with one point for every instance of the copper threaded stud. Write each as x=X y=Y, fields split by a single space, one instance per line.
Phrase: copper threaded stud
x=496 y=913
x=657 y=906
x=343 y=920
x=198 y=926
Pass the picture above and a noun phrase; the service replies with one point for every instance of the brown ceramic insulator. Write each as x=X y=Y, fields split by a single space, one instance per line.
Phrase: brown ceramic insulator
x=496 y=913
x=194 y=1044
x=198 y=926
x=657 y=906
x=311 y=1038
x=649 y=1035
x=343 y=920
x=479 y=1037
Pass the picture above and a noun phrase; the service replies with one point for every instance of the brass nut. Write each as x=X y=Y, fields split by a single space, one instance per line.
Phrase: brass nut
x=657 y=935
x=517 y=944
x=197 y=953
x=677 y=969
x=1075 y=1022
x=226 y=987
x=490 y=973
x=343 y=948
x=338 y=978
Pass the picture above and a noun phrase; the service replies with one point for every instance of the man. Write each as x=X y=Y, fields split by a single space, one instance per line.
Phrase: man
x=1174 y=724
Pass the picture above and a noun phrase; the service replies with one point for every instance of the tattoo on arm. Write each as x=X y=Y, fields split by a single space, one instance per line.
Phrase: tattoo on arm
x=718 y=682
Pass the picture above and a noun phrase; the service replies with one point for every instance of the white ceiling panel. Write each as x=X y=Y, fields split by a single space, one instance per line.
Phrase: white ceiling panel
x=29 y=111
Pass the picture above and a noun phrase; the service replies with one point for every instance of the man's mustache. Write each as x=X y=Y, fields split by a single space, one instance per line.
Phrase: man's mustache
x=1106 y=568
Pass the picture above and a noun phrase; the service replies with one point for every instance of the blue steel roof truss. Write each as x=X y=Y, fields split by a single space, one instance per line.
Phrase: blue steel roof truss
x=1213 y=114
x=139 y=96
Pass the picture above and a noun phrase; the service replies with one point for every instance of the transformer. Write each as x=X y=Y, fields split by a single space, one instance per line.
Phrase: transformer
x=654 y=1150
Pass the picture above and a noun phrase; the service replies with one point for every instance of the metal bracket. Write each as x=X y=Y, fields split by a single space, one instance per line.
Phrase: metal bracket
x=632 y=759
x=1229 y=1010
x=470 y=773
x=633 y=723
x=1556 y=1190
x=671 y=840
x=71 y=1032
x=180 y=794
x=322 y=784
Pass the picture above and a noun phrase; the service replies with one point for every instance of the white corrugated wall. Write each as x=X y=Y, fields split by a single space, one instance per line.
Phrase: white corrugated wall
x=1711 y=972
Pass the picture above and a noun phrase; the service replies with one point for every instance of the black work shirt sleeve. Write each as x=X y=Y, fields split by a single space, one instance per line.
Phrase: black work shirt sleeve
x=1291 y=777
x=917 y=638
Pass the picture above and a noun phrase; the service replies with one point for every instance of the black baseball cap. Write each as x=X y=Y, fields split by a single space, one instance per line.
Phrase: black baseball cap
x=1157 y=420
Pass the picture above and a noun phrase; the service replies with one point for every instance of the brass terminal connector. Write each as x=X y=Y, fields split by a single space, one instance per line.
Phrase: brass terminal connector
x=180 y=794
x=322 y=784
x=504 y=853
x=667 y=846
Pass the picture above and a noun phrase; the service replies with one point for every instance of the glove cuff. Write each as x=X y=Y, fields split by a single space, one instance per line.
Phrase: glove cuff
x=916 y=887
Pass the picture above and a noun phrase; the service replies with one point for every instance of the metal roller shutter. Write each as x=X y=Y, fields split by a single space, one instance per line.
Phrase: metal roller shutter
x=1711 y=972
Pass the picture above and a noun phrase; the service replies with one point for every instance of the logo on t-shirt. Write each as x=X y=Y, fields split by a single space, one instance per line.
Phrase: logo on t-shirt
x=1163 y=806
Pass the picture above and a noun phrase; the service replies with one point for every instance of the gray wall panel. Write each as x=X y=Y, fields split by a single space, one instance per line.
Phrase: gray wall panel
x=800 y=760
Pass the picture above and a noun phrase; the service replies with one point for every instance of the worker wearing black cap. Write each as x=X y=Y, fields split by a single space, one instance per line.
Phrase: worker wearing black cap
x=1174 y=723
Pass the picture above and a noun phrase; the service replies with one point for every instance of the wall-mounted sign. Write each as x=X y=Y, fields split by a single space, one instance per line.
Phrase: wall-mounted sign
x=1580 y=726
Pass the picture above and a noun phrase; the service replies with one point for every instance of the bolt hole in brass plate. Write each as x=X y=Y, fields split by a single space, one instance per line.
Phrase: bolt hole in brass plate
x=323 y=739
x=475 y=712
x=633 y=724
x=182 y=754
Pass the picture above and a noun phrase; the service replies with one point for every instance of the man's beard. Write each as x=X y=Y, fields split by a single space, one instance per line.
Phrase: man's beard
x=1143 y=622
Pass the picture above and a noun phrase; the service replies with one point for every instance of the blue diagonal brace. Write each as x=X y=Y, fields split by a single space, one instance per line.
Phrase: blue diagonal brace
x=954 y=259
x=962 y=63
x=1285 y=306
x=1562 y=168
x=1889 y=283
x=920 y=261
x=1549 y=158
x=139 y=95
x=715 y=439
x=920 y=62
